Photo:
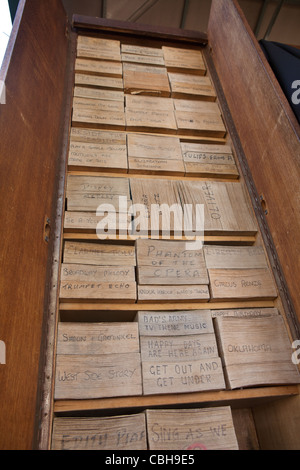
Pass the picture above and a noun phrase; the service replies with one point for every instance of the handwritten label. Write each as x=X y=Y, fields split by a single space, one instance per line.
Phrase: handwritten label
x=178 y=348
x=181 y=377
x=97 y=376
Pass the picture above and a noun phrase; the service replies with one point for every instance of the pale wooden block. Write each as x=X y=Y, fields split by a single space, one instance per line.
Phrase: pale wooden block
x=159 y=121
x=99 y=67
x=100 y=433
x=209 y=160
x=89 y=222
x=191 y=429
x=153 y=146
x=211 y=169
x=98 y=291
x=87 y=193
x=141 y=50
x=196 y=106
x=82 y=104
x=245 y=312
x=160 y=254
x=98 y=48
x=151 y=103
x=182 y=376
x=153 y=193
x=227 y=207
x=111 y=83
x=145 y=80
x=166 y=275
x=184 y=60
x=142 y=59
x=98 y=254
x=173 y=293
x=241 y=284
x=82 y=272
x=256 y=351
x=102 y=119
x=200 y=124
x=178 y=348
x=198 y=148
x=194 y=87
x=98 y=93
x=90 y=201
x=283 y=373
x=97 y=376
x=235 y=257
x=94 y=156
x=97 y=338
x=155 y=166
x=98 y=137
x=182 y=323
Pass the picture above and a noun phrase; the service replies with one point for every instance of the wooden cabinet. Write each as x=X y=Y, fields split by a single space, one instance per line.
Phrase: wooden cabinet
x=39 y=75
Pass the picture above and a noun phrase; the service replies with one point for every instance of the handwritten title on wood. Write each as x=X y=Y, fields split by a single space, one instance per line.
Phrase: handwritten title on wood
x=255 y=351
x=194 y=429
x=239 y=273
x=115 y=432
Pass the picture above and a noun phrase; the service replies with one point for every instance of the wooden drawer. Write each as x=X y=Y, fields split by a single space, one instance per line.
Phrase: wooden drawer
x=234 y=143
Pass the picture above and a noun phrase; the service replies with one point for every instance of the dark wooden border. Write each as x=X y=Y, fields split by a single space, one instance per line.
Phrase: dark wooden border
x=48 y=347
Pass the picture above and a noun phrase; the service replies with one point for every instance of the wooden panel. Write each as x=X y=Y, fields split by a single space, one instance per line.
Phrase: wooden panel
x=154 y=114
x=153 y=293
x=98 y=48
x=99 y=67
x=154 y=154
x=88 y=222
x=241 y=284
x=97 y=338
x=178 y=348
x=99 y=254
x=117 y=432
x=277 y=424
x=184 y=60
x=30 y=147
x=96 y=376
x=192 y=87
x=109 y=83
x=227 y=207
x=86 y=193
x=191 y=123
x=195 y=429
x=145 y=79
x=175 y=323
x=98 y=93
x=109 y=155
x=209 y=160
x=255 y=351
x=267 y=129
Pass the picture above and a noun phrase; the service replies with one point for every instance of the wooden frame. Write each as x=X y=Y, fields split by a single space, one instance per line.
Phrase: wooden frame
x=31 y=356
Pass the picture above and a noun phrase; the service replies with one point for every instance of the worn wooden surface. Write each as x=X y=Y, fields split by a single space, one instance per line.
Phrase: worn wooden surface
x=30 y=147
x=195 y=429
x=116 y=432
x=96 y=376
x=97 y=338
x=255 y=351
x=270 y=139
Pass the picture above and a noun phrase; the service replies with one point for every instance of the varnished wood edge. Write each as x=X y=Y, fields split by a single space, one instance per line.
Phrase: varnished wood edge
x=94 y=24
x=44 y=413
x=254 y=196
